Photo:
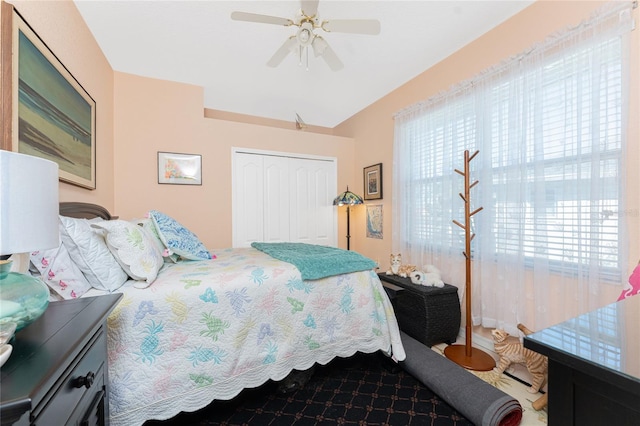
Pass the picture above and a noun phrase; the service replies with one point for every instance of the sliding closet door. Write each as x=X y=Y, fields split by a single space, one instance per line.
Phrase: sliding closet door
x=280 y=198
x=276 y=199
x=312 y=214
x=248 y=199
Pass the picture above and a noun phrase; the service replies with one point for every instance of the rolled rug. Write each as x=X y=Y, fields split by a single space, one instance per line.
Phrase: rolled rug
x=475 y=399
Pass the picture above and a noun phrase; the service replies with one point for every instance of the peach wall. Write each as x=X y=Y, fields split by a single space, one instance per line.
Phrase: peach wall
x=62 y=28
x=373 y=127
x=136 y=117
x=155 y=115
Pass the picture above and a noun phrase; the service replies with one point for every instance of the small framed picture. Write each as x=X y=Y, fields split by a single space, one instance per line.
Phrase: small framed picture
x=373 y=182
x=374 y=221
x=179 y=169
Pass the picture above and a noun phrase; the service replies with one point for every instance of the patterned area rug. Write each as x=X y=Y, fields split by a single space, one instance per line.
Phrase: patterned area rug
x=365 y=389
x=514 y=387
x=361 y=390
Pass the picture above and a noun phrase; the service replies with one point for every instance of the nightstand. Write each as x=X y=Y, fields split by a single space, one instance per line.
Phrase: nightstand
x=57 y=372
x=430 y=315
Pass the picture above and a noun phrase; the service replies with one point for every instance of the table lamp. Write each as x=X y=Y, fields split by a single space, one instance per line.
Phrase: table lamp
x=28 y=222
x=348 y=199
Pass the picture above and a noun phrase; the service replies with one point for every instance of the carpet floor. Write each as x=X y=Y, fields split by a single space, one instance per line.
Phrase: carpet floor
x=360 y=390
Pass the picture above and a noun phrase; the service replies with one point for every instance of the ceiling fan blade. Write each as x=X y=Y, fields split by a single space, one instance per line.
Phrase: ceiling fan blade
x=282 y=52
x=353 y=26
x=309 y=7
x=322 y=48
x=262 y=19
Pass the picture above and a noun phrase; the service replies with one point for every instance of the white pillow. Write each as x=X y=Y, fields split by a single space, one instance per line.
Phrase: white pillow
x=133 y=249
x=89 y=251
x=59 y=272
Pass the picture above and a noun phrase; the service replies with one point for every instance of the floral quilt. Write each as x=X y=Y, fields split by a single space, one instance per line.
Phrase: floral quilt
x=205 y=330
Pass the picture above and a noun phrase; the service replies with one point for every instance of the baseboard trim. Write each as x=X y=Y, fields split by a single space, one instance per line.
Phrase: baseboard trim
x=479 y=341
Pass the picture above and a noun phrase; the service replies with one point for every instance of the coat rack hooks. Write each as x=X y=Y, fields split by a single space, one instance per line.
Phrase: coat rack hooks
x=466 y=355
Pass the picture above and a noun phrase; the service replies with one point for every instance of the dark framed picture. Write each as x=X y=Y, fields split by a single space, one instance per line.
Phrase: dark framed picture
x=179 y=169
x=52 y=116
x=373 y=182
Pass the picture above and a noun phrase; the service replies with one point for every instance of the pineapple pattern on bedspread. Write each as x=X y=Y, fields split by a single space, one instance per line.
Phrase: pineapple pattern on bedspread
x=207 y=329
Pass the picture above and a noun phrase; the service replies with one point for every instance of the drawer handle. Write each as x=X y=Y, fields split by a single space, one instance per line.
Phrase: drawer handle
x=85 y=381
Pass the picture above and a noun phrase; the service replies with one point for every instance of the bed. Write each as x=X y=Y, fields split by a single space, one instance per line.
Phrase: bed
x=204 y=330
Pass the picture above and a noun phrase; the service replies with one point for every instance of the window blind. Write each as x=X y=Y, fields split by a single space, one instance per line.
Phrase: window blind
x=562 y=156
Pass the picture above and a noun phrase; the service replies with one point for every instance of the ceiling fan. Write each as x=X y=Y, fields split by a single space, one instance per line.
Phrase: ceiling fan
x=307 y=20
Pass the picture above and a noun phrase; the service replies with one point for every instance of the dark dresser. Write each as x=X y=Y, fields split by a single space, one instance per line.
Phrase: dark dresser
x=594 y=366
x=57 y=372
x=430 y=315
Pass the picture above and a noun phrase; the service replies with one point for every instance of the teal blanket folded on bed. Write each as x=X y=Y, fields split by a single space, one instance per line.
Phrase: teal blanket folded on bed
x=315 y=262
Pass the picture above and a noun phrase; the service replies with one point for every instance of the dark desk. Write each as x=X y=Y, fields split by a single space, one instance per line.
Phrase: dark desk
x=594 y=366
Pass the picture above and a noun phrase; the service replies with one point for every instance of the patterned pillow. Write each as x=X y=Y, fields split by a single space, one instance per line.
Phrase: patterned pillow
x=89 y=251
x=133 y=249
x=178 y=238
x=59 y=272
x=151 y=231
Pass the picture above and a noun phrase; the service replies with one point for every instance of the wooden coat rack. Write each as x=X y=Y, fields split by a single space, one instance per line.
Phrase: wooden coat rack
x=466 y=355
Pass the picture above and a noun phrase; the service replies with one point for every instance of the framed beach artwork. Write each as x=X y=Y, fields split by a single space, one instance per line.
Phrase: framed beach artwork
x=374 y=221
x=52 y=116
x=373 y=182
x=179 y=169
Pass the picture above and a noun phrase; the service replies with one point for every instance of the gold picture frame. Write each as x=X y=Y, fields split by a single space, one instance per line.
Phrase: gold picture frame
x=373 y=182
x=51 y=115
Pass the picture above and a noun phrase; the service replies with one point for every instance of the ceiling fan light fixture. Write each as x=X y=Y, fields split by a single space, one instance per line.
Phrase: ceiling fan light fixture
x=305 y=34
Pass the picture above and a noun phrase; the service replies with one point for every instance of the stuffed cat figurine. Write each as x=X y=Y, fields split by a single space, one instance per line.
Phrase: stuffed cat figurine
x=514 y=352
x=429 y=276
x=397 y=268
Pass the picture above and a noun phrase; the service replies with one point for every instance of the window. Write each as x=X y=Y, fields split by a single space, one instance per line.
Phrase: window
x=550 y=127
x=571 y=162
x=550 y=135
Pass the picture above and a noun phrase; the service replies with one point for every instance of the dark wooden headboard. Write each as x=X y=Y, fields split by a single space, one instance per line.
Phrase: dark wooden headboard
x=84 y=210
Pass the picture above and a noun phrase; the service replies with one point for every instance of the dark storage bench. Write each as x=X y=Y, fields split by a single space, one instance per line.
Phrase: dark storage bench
x=430 y=315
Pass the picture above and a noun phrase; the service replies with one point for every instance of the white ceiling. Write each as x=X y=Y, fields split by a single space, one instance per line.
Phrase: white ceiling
x=196 y=42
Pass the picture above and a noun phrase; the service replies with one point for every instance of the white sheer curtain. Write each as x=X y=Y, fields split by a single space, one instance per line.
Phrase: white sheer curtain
x=550 y=128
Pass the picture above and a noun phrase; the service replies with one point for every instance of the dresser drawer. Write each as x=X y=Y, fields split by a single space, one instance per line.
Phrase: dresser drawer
x=91 y=409
x=82 y=381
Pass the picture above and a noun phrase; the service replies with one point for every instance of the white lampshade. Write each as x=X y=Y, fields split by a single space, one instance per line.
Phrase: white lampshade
x=28 y=203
